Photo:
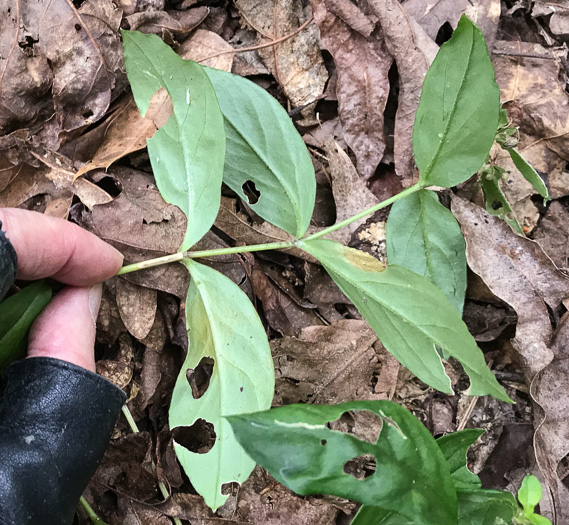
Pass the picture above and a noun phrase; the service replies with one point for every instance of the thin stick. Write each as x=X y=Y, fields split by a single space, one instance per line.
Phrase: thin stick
x=134 y=427
x=260 y=46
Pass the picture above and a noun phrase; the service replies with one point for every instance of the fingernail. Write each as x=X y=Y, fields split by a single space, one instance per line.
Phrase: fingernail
x=95 y=294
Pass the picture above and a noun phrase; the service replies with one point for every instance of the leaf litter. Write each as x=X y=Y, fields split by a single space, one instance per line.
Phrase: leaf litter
x=72 y=144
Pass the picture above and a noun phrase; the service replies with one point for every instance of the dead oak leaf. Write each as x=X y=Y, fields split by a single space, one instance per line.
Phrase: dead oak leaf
x=413 y=52
x=362 y=88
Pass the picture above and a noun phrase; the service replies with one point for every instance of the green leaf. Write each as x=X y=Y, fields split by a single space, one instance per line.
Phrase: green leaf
x=495 y=201
x=455 y=448
x=529 y=174
x=375 y=516
x=18 y=312
x=424 y=237
x=409 y=314
x=187 y=154
x=264 y=147
x=486 y=507
x=295 y=446
x=223 y=326
x=457 y=117
x=530 y=493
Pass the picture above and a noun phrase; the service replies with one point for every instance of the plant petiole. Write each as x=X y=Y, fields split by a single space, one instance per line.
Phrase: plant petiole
x=175 y=257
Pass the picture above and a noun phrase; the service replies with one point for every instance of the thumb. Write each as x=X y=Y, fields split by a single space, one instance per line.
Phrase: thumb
x=66 y=328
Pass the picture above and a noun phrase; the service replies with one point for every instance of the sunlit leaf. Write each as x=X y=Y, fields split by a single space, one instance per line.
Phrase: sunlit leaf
x=18 y=312
x=423 y=236
x=266 y=158
x=409 y=314
x=223 y=327
x=187 y=154
x=486 y=507
x=295 y=446
x=457 y=117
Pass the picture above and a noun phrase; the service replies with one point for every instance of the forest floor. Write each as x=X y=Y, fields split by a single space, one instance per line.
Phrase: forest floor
x=351 y=85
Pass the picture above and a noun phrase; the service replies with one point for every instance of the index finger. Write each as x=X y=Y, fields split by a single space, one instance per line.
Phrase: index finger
x=50 y=247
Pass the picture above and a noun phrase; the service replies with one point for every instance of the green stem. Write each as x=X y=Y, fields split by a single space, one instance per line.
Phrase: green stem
x=90 y=512
x=412 y=189
x=134 y=427
x=270 y=245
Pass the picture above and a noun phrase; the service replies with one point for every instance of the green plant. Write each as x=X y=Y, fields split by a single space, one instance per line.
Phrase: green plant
x=226 y=129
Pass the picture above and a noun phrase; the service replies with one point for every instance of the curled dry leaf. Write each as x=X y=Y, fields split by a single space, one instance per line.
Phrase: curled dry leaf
x=552 y=234
x=431 y=16
x=137 y=307
x=528 y=76
x=75 y=51
x=558 y=21
x=517 y=271
x=297 y=62
x=413 y=52
x=362 y=64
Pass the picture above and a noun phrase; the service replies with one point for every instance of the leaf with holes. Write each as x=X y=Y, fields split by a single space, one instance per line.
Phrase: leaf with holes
x=495 y=201
x=225 y=331
x=294 y=444
x=266 y=163
x=409 y=314
x=457 y=117
x=424 y=237
x=18 y=312
x=187 y=154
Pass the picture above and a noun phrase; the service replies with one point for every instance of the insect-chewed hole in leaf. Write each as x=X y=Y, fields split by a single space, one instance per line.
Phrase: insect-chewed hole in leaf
x=363 y=424
x=251 y=192
x=230 y=489
x=444 y=34
x=199 y=437
x=323 y=442
x=111 y=186
x=361 y=467
x=496 y=205
x=199 y=377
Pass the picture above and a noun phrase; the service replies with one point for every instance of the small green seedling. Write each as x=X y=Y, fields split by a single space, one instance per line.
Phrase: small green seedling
x=529 y=497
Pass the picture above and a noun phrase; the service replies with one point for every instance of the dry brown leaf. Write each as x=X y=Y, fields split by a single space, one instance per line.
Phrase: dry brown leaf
x=75 y=51
x=119 y=371
x=205 y=44
x=552 y=234
x=431 y=16
x=517 y=271
x=128 y=131
x=351 y=15
x=296 y=63
x=351 y=194
x=550 y=390
x=558 y=21
x=169 y=25
x=363 y=86
x=413 y=51
x=325 y=364
x=138 y=221
x=528 y=76
x=137 y=307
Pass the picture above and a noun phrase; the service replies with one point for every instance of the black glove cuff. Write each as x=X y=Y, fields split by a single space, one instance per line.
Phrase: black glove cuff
x=56 y=419
x=8 y=263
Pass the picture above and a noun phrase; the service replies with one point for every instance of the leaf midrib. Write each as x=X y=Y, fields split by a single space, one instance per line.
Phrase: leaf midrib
x=452 y=112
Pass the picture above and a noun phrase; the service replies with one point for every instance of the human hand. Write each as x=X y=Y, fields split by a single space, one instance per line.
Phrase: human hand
x=50 y=247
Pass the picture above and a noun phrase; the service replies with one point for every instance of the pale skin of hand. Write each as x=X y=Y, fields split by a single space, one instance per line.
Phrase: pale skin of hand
x=50 y=247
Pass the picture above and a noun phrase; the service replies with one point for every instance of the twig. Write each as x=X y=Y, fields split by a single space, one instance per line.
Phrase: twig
x=260 y=46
